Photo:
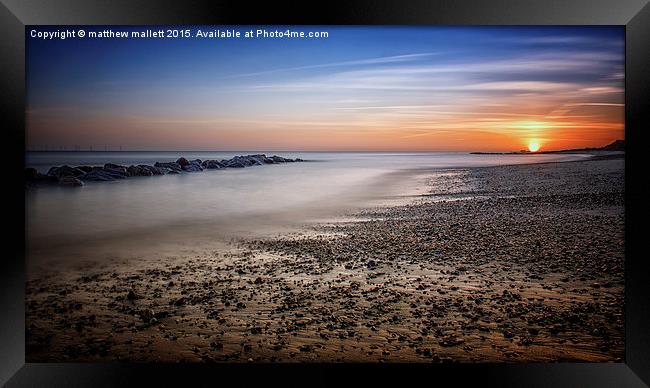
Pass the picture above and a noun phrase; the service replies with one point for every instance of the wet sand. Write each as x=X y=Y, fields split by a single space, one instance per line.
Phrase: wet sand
x=495 y=264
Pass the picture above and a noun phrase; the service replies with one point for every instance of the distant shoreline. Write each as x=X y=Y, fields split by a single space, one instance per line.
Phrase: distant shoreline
x=617 y=145
x=579 y=151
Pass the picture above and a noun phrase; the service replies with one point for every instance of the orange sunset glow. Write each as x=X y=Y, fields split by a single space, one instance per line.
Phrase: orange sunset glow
x=476 y=89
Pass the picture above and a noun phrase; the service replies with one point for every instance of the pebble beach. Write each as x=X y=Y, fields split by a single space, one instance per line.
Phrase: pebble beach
x=518 y=263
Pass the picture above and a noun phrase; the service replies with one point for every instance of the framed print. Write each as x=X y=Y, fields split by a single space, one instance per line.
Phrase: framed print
x=371 y=191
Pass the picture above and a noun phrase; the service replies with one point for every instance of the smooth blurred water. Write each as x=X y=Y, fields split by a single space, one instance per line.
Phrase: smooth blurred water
x=198 y=203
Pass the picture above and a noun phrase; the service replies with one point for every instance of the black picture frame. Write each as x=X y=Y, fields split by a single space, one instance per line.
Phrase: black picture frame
x=633 y=14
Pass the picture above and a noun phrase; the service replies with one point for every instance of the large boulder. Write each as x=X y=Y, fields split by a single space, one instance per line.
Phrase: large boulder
x=260 y=159
x=235 y=163
x=280 y=159
x=193 y=166
x=170 y=165
x=241 y=161
x=154 y=170
x=103 y=174
x=121 y=171
x=182 y=162
x=32 y=177
x=144 y=170
x=138 y=171
x=60 y=172
x=212 y=164
x=115 y=166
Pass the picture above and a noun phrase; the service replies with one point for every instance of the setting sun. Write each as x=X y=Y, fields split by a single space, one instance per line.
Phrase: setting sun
x=533 y=146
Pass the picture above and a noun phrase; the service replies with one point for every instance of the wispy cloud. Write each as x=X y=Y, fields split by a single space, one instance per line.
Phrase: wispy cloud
x=368 y=61
x=485 y=85
x=522 y=74
x=555 y=40
x=596 y=104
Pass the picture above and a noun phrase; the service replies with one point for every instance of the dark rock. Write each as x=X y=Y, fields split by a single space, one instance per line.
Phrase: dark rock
x=154 y=170
x=249 y=160
x=212 y=164
x=617 y=145
x=131 y=295
x=138 y=171
x=62 y=171
x=113 y=166
x=238 y=162
x=33 y=177
x=112 y=171
x=306 y=348
x=170 y=165
x=193 y=166
x=280 y=159
x=147 y=316
x=101 y=174
x=144 y=170
x=265 y=159
x=115 y=171
x=259 y=159
x=234 y=163
x=451 y=341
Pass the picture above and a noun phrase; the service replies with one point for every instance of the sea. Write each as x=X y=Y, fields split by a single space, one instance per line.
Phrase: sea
x=191 y=209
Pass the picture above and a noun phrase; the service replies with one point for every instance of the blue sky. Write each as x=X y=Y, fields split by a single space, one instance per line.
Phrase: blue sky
x=362 y=88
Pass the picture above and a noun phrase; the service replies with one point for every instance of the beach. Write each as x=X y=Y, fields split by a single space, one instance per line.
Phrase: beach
x=505 y=263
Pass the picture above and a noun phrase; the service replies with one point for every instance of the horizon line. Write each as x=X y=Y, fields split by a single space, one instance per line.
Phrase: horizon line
x=331 y=151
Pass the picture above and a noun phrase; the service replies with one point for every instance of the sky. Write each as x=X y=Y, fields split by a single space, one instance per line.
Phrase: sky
x=359 y=89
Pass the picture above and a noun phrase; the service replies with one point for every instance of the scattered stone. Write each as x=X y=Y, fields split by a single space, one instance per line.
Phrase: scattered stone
x=451 y=341
x=131 y=295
